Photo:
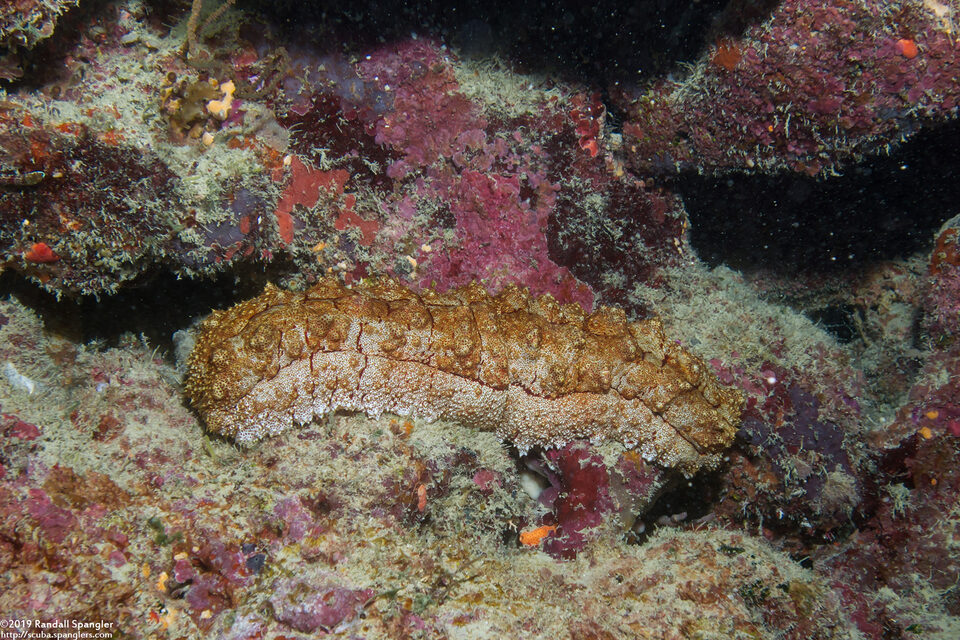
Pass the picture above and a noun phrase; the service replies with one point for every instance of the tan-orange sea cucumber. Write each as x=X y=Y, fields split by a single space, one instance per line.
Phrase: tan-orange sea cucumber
x=534 y=371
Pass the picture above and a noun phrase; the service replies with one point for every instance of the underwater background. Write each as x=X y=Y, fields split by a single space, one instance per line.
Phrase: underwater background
x=774 y=182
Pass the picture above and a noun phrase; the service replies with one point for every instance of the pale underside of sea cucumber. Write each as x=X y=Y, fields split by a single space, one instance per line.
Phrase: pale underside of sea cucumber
x=534 y=371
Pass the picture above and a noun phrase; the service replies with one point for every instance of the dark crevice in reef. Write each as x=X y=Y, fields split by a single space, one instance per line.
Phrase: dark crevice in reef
x=883 y=208
x=682 y=503
x=838 y=320
x=597 y=43
x=155 y=306
x=591 y=42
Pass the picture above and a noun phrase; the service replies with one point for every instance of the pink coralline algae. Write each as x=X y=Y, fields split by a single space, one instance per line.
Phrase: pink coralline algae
x=430 y=118
x=579 y=496
x=443 y=166
x=499 y=208
x=464 y=193
x=295 y=520
x=907 y=540
x=54 y=521
x=309 y=608
x=798 y=463
x=501 y=236
x=584 y=493
x=210 y=577
x=815 y=86
x=487 y=480
x=13 y=427
x=933 y=402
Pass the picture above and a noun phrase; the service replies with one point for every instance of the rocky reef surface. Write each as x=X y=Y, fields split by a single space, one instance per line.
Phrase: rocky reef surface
x=781 y=201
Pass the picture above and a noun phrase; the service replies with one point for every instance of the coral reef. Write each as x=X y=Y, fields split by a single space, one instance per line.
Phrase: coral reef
x=906 y=536
x=812 y=88
x=589 y=500
x=536 y=372
x=393 y=529
x=313 y=163
x=146 y=147
x=96 y=212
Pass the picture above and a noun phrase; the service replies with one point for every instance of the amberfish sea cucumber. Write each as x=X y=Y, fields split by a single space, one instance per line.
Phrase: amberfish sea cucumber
x=534 y=371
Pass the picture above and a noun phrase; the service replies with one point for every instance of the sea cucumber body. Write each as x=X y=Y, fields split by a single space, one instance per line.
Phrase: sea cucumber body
x=536 y=372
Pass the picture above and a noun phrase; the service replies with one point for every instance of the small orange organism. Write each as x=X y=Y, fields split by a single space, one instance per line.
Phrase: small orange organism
x=727 y=55
x=533 y=537
x=421 y=497
x=946 y=252
x=220 y=108
x=40 y=252
x=907 y=48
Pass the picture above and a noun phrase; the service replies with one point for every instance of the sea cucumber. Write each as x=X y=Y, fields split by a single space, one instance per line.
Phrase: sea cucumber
x=534 y=371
